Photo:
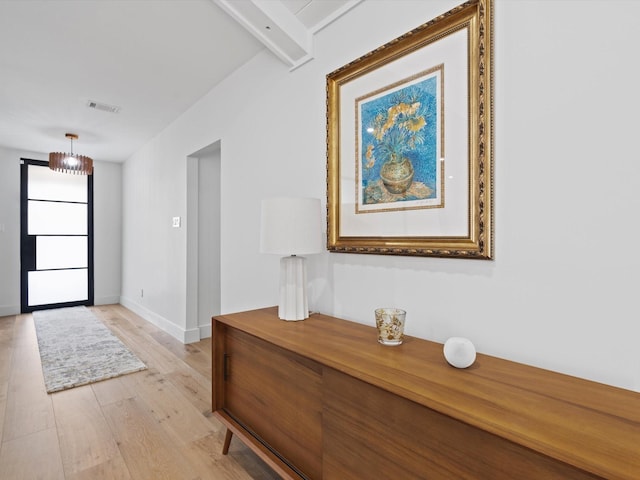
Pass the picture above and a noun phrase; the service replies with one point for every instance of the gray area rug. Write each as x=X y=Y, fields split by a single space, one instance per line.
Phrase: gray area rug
x=76 y=348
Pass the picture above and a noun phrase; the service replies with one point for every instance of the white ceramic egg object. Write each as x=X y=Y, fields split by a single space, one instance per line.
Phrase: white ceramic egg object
x=459 y=352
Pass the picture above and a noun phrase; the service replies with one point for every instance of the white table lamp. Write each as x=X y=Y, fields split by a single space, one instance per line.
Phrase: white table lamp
x=291 y=226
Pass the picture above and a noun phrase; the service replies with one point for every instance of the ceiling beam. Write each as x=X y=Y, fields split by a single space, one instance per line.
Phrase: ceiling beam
x=275 y=26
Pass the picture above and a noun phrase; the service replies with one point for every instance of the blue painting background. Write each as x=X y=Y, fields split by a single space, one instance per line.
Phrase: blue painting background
x=424 y=156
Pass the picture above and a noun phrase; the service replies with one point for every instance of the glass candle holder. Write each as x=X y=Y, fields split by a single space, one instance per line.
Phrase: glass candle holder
x=390 y=324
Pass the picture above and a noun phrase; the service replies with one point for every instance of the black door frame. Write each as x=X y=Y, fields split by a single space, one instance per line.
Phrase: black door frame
x=28 y=243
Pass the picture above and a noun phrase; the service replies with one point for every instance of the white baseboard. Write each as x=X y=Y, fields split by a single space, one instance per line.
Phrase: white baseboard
x=191 y=336
x=6 y=310
x=108 y=300
x=185 y=336
x=205 y=331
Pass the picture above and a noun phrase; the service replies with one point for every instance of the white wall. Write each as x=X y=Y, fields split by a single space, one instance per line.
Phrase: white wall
x=561 y=291
x=10 y=229
x=107 y=229
x=107 y=232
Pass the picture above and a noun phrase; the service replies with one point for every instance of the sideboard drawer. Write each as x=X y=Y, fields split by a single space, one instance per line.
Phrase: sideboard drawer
x=371 y=433
x=288 y=420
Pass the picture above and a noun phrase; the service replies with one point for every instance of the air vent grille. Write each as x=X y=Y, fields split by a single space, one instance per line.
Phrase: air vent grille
x=103 y=106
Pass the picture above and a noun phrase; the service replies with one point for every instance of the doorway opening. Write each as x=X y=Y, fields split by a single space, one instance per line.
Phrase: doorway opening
x=56 y=238
x=203 y=240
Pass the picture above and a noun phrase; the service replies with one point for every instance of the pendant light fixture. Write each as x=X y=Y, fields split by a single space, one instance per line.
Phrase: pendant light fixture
x=70 y=162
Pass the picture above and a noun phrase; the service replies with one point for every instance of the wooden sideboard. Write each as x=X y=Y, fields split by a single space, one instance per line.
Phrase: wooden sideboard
x=321 y=399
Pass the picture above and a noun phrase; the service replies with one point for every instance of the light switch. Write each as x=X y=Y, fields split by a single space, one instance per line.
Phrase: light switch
x=176 y=222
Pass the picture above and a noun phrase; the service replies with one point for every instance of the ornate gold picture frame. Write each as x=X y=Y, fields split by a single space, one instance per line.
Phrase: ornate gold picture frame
x=410 y=142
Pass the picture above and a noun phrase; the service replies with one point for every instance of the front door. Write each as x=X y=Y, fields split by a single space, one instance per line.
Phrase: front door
x=56 y=250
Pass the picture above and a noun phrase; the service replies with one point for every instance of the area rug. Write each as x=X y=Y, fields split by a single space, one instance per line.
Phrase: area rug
x=76 y=348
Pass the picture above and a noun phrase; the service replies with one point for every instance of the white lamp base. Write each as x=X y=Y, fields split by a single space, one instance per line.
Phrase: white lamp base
x=293 y=289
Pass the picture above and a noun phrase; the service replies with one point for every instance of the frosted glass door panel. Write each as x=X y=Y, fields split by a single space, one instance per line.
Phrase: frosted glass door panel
x=61 y=252
x=45 y=184
x=57 y=286
x=52 y=218
x=56 y=235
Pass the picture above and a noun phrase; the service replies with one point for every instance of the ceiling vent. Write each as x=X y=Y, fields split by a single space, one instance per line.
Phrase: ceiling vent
x=103 y=106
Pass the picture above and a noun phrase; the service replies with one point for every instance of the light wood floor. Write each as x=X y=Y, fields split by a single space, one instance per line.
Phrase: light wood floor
x=151 y=425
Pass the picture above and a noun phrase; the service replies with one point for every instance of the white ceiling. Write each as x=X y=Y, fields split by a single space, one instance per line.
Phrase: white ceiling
x=151 y=58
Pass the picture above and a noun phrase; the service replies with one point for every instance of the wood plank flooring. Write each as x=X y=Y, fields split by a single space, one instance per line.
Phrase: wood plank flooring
x=150 y=425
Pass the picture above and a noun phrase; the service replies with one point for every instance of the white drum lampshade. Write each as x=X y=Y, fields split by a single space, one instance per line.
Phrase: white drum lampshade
x=292 y=227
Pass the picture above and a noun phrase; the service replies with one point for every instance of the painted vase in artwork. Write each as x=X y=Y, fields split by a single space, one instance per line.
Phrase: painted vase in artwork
x=398 y=145
x=397 y=175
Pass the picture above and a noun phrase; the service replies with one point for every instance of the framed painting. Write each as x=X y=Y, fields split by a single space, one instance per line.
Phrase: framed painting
x=410 y=142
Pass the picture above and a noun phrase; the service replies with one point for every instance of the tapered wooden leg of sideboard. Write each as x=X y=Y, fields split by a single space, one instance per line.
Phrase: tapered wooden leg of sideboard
x=227 y=441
